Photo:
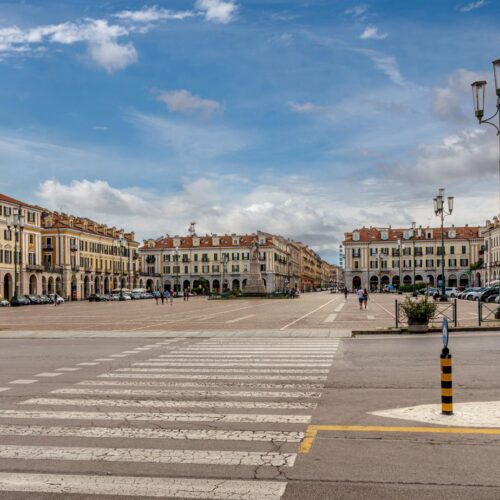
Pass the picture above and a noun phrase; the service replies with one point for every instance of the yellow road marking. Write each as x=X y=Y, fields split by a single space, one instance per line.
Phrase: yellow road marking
x=312 y=431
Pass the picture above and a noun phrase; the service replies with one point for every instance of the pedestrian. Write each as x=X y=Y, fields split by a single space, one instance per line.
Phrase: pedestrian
x=365 y=297
x=171 y=297
x=360 y=294
x=162 y=297
x=345 y=293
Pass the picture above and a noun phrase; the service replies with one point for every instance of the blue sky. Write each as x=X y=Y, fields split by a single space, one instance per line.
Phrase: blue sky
x=301 y=118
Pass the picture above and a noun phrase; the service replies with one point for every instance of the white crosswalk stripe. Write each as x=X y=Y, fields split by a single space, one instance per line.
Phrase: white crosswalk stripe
x=239 y=396
x=187 y=394
x=209 y=489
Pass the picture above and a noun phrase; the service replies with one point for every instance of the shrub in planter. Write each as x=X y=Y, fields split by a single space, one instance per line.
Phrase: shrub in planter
x=419 y=312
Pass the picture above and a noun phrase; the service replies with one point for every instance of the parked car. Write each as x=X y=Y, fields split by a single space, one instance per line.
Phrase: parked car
x=19 y=301
x=33 y=299
x=126 y=296
x=114 y=296
x=488 y=292
x=56 y=298
x=492 y=298
x=136 y=296
x=44 y=299
x=96 y=297
x=451 y=292
x=474 y=294
x=4 y=303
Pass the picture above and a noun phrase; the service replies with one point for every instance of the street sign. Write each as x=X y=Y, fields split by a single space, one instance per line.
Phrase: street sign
x=445 y=332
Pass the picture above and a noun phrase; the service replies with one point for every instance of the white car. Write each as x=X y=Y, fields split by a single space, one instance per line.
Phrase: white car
x=451 y=292
x=474 y=294
x=56 y=298
x=4 y=303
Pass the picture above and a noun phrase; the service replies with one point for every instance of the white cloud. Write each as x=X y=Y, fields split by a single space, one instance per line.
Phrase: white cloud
x=101 y=37
x=372 y=32
x=182 y=101
x=190 y=142
x=218 y=11
x=472 y=6
x=308 y=107
x=385 y=63
x=357 y=12
x=154 y=13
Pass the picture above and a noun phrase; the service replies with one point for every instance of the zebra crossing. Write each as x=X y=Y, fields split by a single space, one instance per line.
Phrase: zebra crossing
x=206 y=419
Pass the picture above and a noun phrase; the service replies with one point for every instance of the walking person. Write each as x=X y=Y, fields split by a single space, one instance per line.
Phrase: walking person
x=360 y=293
x=156 y=297
x=162 y=297
x=345 y=293
x=171 y=297
x=365 y=297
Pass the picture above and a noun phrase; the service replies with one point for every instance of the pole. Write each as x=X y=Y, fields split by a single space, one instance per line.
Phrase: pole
x=446 y=382
x=400 y=268
x=16 y=258
x=414 y=262
x=443 y=287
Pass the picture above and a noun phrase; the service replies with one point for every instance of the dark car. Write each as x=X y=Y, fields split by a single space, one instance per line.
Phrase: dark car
x=484 y=296
x=19 y=301
x=97 y=297
x=46 y=299
x=33 y=299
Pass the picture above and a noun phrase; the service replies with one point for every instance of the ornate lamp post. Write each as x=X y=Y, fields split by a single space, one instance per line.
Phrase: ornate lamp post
x=440 y=211
x=400 y=291
x=16 y=223
x=413 y=226
x=177 y=270
x=121 y=242
x=224 y=261
x=478 y=94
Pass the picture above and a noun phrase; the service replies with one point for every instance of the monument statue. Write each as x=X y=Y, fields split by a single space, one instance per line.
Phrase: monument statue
x=255 y=283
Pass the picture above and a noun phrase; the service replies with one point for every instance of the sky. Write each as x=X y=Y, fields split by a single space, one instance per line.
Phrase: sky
x=301 y=118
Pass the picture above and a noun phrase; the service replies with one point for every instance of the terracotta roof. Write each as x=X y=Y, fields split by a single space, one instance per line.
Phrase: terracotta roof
x=8 y=199
x=375 y=234
x=205 y=242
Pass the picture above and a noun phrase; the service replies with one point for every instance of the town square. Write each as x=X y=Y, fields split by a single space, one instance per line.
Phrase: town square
x=249 y=250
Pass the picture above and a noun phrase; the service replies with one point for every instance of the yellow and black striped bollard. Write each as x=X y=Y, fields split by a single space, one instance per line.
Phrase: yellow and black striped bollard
x=446 y=383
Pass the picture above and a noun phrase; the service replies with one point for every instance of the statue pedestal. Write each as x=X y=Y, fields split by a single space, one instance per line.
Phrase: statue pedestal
x=255 y=283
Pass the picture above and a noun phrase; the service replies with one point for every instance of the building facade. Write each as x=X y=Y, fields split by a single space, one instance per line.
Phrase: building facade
x=491 y=258
x=216 y=263
x=81 y=257
x=376 y=257
x=20 y=249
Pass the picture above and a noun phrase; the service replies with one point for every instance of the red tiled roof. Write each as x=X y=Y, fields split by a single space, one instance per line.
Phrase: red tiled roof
x=206 y=241
x=375 y=234
x=8 y=199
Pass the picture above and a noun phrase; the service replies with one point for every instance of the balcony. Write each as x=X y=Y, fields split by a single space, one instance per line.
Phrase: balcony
x=75 y=269
x=88 y=269
x=49 y=268
x=73 y=248
x=152 y=275
x=48 y=247
x=34 y=267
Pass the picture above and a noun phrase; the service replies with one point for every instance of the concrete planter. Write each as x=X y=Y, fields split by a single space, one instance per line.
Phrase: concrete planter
x=418 y=327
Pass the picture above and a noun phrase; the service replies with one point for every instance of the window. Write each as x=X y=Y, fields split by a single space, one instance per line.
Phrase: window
x=196 y=257
x=418 y=251
x=383 y=264
x=7 y=211
x=32 y=239
x=8 y=255
x=205 y=268
x=1 y=256
x=166 y=257
x=356 y=264
x=407 y=251
x=439 y=251
x=356 y=252
x=418 y=263
x=395 y=252
x=429 y=250
x=464 y=262
x=373 y=264
x=186 y=270
x=429 y=263
x=196 y=269
x=7 y=235
x=373 y=251
x=215 y=268
x=452 y=262
x=204 y=257
x=452 y=250
x=395 y=264
x=32 y=259
x=166 y=269
x=355 y=236
x=464 y=249
x=236 y=268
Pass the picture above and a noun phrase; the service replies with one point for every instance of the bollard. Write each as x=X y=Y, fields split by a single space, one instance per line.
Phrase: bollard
x=446 y=383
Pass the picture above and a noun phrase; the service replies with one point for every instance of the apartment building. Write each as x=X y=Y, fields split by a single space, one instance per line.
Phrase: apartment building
x=378 y=256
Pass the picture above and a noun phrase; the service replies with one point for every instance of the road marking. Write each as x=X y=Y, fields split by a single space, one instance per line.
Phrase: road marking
x=210 y=489
x=280 y=349
x=209 y=376
x=3 y=389
x=87 y=364
x=339 y=307
x=312 y=431
x=240 y=319
x=222 y=370
x=118 y=356
x=143 y=348
x=201 y=457
x=159 y=416
x=330 y=318
x=270 y=357
x=137 y=433
x=383 y=308
x=156 y=403
x=214 y=315
x=242 y=364
x=308 y=314
x=23 y=381
x=48 y=374
x=130 y=352
x=253 y=385
x=104 y=359
x=191 y=393
x=68 y=369
x=370 y=316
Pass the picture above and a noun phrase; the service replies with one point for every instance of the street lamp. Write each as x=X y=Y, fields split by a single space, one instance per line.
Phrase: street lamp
x=440 y=211
x=478 y=95
x=224 y=261
x=413 y=226
x=177 y=270
x=16 y=223
x=400 y=291
x=121 y=242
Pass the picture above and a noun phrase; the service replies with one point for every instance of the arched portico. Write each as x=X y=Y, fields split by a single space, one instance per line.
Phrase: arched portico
x=33 y=285
x=356 y=283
